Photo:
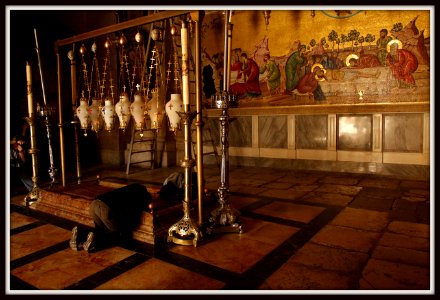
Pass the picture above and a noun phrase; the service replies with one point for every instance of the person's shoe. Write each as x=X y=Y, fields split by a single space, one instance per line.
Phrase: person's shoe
x=89 y=244
x=74 y=243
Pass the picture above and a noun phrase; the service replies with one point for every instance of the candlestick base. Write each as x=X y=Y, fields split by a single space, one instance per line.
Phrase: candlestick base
x=224 y=220
x=184 y=232
x=32 y=197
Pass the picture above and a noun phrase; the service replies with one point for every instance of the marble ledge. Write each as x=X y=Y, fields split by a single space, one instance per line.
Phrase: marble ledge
x=325 y=109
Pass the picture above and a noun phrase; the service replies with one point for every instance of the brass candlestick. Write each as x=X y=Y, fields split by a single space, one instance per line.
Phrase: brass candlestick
x=34 y=194
x=186 y=231
x=46 y=112
x=224 y=218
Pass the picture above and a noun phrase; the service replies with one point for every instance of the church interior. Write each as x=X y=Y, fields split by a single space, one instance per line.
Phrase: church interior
x=296 y=146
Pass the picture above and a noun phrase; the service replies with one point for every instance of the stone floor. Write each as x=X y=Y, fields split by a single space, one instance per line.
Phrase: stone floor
x=303 y=232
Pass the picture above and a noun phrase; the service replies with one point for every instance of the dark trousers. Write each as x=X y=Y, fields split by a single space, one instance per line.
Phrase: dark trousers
x=107 y=229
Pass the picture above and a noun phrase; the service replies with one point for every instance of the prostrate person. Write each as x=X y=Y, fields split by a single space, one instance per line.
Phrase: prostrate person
x=115 y=215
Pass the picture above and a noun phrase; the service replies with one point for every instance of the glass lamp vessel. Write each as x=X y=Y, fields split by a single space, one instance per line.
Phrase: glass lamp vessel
x=95 y=115
x=108 y=114
x=82 y=113
x=137 y=109
x=122 y=109
x=155 y=110
x=172 y=108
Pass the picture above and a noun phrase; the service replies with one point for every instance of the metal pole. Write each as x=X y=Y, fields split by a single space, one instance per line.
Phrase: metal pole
x=45 y=112
x=163 y=15
x=197 y=17
x=71 y=55
x=60 y=118
x=226 y=54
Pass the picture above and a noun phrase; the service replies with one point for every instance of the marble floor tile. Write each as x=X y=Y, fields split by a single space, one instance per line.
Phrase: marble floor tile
x=347 y=238
x=340 y=189
x=299 y=180
x=409 y=228
x=64 y=268
x=299 y=277
x=30 y=241
x=18 y=220
x=343 y=180
x=362 y=219
x=384 y=275
x=239 y=202
x=290 y=211
x=402 y=255
x=303 y=188
x=383 y=183
x=329 y=258
x=327 y=198
x=289 y=194
x=265 y=232
x=398 y=240
x=277 y=185
x=155 y=274
x=238 y=252
x=244 y=189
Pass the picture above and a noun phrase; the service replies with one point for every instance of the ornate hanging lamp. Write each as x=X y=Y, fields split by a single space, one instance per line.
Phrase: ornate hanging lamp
x=122 y=108
x=94 y=109
x=137 y=108
x=108 y=110
x=82 y=110
x=175 y=105
x=155 y=108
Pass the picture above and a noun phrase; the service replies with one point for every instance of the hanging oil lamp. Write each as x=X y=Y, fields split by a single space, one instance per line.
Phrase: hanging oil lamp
x=175 y=104
x=108 y=113
x=122 y=108
x=155 y=108
x=108 y=110
x=82 y=110
x=95 y=108
x=137 y=108
x=83 y=114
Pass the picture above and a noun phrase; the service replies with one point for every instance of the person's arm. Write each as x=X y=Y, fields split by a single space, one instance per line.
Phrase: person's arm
x=20 y=150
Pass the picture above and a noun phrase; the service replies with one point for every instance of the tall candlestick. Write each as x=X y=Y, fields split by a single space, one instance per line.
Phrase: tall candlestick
x=34 y=194
x=29 y=89
x=185 y=83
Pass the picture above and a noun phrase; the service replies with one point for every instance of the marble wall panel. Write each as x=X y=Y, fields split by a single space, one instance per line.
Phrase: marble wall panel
x=272 y=131
x=311 y=131
x=240 y=132
x=211 y=130
x=403 y=132
x=355 y=132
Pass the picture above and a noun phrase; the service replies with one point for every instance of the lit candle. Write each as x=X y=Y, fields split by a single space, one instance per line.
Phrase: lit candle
x=29 y=89
x=185 y=84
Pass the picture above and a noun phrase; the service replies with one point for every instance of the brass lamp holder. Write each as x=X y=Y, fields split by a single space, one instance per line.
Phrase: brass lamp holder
x=225 y=218
x=46 y=112
x=34 y=194
x=186 y=231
